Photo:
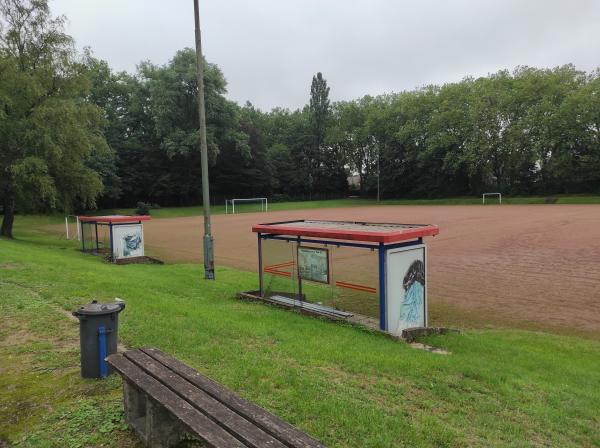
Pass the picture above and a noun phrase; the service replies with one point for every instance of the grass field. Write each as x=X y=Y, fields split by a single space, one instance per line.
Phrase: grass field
x=186 y=211
x=177 y=212
x=347 y=387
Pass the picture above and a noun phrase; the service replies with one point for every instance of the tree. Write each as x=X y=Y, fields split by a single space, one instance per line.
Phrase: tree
x=352 y=134
x=319 y=111
x=575 y=162
x=247 y=172
x=448 y=130
x=153 y=128
x=286 y=136
x=48 y=128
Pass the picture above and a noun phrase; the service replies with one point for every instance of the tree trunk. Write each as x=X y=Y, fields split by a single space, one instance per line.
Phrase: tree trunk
x=9 y=216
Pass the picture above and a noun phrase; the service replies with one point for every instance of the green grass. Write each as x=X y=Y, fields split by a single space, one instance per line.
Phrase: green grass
x=196 y=210
x=176 y=212
x=345 y=386
x=43 y=400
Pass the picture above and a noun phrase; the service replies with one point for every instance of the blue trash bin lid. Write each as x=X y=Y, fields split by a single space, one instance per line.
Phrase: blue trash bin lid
x=94 y=308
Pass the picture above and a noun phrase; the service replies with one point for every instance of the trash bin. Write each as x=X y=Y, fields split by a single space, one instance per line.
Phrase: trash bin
x=98 y=331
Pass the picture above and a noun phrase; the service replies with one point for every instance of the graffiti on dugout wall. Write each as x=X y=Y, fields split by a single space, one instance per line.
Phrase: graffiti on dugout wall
x=132 y=243
x=411 y=310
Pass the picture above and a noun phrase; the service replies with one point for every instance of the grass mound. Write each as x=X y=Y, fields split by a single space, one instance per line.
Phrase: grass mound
x=347 y=387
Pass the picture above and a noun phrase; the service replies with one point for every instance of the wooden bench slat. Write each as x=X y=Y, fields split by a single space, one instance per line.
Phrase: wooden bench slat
x=273 y=425
x=210 y=432
x=213 y=409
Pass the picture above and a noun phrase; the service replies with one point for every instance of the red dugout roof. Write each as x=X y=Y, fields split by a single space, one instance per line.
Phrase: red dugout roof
x=114 y=219
x=349 y=230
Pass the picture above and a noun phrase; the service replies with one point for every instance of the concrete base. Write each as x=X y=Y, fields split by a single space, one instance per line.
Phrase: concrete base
x=412 y=334
x=152 y=423
x=409 y=335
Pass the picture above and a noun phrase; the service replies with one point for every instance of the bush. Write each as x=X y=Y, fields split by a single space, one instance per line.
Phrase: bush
x=142 y=208
x=279 y=197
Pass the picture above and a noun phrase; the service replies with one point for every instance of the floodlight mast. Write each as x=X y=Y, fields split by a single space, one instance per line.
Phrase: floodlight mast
x=209 y=257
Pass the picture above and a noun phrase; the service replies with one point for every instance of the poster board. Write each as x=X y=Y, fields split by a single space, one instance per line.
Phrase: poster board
x=313 y=264
x=128 y=241
x=406 y=288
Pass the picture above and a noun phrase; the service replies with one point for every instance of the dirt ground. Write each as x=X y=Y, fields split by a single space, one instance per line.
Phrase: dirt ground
x=532 y=266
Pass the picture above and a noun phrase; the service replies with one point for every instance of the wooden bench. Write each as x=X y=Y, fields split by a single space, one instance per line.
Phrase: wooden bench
x=167 y=401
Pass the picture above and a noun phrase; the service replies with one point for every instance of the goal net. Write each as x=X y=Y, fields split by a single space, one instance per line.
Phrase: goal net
x=498 y=197
x=246 y=205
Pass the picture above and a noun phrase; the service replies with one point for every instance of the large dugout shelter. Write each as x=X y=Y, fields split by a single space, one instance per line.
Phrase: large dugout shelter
x=401 y=263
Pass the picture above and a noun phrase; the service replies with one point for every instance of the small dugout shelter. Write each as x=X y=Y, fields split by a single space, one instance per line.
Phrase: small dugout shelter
x=117 y=237
x=376 y=270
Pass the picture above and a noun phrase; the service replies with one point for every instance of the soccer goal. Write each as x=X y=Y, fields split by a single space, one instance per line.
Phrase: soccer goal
x=498 y=195
x=241 y=205
x=72 y=227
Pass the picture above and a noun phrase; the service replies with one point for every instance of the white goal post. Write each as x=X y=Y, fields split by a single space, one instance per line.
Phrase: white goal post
x=492 y=194
x=230 y=204
x=77 y=226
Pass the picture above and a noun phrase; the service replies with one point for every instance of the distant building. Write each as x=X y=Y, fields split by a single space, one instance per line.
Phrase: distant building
x=354 y=181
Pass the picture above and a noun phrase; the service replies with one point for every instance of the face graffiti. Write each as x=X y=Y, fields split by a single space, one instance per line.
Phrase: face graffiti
x=415 y=273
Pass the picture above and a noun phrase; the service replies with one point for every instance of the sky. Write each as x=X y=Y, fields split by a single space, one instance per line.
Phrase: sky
x=270 y=49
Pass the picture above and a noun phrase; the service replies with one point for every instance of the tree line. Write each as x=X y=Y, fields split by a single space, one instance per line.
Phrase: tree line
x=530 y=131
x=74 y=134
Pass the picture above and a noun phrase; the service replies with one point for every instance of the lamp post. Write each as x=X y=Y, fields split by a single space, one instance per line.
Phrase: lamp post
x=378 y=170
x=209 y=257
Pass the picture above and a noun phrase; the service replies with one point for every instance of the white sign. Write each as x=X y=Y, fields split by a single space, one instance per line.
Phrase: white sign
x=128 y=241
x=313 y=264
x=406 y=289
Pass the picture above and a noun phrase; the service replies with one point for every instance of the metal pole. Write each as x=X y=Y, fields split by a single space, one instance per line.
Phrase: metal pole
x=67 y=225
x=378 y=170
x=209 y=257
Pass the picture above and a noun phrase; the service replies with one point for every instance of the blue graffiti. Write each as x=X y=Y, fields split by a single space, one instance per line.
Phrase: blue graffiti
x=411 y=310
x=132 y=243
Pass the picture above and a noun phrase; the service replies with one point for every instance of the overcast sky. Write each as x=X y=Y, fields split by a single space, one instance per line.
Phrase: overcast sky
x=269 y=49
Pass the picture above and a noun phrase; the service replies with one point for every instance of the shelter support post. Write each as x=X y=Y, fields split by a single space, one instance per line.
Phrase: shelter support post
x=298 y=270
x=382 y=302
x=110 y=233
x=261 y=287
x=97 y=246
